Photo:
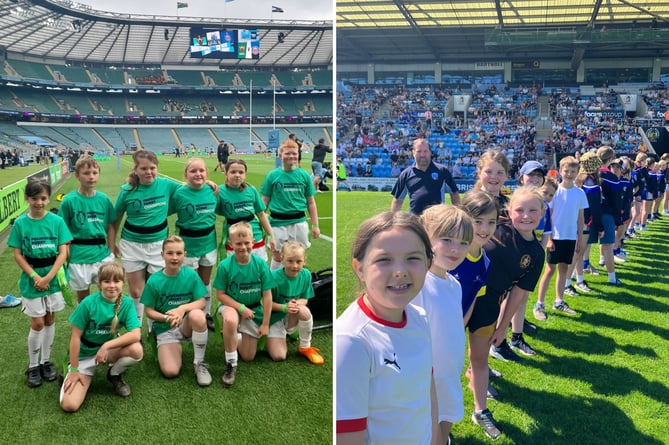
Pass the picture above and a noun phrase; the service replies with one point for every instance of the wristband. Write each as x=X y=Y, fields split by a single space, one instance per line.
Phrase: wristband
x=241 y=308
x=33 y=275
x=164 y=318
x=314 y=226
x=74 y=369
x=284 y=308
x=271 y=235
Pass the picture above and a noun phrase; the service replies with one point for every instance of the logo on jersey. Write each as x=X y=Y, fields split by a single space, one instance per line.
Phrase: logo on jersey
x=80 y=217
x=435 y=176
x=525 y=261
x=387 y=361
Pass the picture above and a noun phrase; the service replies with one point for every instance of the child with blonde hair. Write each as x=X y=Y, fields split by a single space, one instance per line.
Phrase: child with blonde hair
x=196 y=206
x=568 y=205
x=292 y=290
x=451 y=231
x=588 y=180
x=665 y=191
x=243 y=286
x=516 y=261
x=640 y=184
x=97 y=340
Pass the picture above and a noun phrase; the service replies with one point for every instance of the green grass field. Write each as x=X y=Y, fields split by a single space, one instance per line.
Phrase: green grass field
x=598 y=378
x=286 y=402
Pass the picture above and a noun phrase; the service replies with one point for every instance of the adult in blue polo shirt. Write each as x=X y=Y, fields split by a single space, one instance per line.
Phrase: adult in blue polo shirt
x=423 y=182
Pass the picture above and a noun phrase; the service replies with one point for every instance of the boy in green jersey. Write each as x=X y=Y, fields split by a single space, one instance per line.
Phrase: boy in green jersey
x=243 y=285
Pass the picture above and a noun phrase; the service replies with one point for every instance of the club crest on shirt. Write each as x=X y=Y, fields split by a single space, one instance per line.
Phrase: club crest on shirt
x=525 y=261
x=435 y=176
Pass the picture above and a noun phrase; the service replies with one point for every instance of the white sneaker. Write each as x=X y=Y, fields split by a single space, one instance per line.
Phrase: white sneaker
x=618 y=259
x=202 y=374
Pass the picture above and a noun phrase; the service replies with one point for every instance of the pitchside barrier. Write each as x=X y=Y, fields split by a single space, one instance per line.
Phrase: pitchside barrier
x=386 y=184
x=12 y=200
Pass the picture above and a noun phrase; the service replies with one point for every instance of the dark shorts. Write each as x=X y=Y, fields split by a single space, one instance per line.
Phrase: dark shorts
x=485 y=313
x=563 y=252
x=609 y=236
x=593 y=235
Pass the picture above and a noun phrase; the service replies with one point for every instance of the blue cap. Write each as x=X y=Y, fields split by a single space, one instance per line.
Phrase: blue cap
x=531 y=166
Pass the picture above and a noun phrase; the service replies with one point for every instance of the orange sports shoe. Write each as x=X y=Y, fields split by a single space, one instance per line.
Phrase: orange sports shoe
x=312 y=354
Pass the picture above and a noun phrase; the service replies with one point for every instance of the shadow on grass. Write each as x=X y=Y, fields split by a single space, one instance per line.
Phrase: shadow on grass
x=553 y=422
x=604 y=379
x=622 y=296
x=590 y=343
x=602 y=319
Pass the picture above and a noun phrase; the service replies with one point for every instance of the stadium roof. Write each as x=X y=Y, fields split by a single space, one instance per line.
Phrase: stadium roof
x=394 y=31
x=65 y=30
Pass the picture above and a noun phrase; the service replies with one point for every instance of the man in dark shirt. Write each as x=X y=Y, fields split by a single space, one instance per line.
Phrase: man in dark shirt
x=320 y=150
x=222 y=152
x=423 y=182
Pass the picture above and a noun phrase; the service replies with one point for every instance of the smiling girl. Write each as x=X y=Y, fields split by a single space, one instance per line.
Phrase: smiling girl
x=493 y=170
x=144 y=199
x=385 y=391
x=196 y=204
x=40 y=239
x=240 y=201
x=516 y=260
x=96 y=339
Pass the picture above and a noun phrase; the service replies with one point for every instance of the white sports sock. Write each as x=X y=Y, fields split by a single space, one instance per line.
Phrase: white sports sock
x=34 y=346
x=304 y=328
x=580 y=278
x=612 y=277
x=207 y=300
x=231 y=357
x=199 y=345
x=48 y=334
x=122 y=364
x=139 y=307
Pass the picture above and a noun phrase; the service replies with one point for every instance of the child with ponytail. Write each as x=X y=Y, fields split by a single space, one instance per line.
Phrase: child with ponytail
x=96 y=338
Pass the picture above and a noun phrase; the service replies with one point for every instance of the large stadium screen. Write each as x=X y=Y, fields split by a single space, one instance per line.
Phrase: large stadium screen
x=224 y=44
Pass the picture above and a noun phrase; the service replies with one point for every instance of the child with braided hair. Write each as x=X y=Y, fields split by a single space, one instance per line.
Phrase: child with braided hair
x=96 y=340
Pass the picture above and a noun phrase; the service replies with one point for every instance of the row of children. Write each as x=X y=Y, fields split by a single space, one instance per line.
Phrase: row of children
x=471 y=267
x=176 y=299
